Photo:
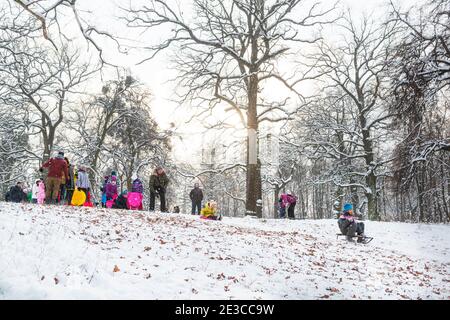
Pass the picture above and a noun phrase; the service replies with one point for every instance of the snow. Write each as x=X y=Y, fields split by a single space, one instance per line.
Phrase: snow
x=56 y=252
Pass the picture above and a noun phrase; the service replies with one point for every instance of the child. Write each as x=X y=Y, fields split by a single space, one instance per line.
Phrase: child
x=137 y=184
x=83 y=182
x=135 y=197
x=209 y=211
x=41 y=192
x=121 y=201
x=103 y=190
x=349 y=226
x=35 y=191
x=111 y=189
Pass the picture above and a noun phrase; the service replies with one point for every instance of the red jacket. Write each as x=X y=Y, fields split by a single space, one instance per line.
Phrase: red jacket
x=56 y=167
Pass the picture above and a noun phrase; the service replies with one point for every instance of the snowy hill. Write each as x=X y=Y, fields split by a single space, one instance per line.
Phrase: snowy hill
x=82 y=253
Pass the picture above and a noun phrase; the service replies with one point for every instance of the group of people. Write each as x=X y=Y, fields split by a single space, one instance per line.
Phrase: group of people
x=58 y=186
x=348 y=224
x=64 y=185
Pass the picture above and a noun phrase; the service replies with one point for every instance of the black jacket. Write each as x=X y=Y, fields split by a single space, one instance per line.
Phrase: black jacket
x=16 y=194
x=196 y=195
x=347 y=224
x=158 y=183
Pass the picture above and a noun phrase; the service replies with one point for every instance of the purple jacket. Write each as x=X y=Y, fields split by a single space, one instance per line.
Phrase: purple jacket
x=137 y=186
x=111 y=190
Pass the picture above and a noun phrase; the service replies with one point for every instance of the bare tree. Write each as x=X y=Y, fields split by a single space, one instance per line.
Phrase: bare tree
x=40 y=82
x=358 y=69
x=421 y=78
x=228 y=51
x=48 y=13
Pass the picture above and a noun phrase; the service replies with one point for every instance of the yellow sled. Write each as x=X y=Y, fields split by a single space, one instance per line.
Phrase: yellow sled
x=78 y=198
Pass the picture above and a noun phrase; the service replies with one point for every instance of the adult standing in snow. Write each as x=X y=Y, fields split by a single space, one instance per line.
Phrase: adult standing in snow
x=158 y=184
x=287 y=200
x=56 y=167
x=196 y=196
x=70 y=183
x=349 y=225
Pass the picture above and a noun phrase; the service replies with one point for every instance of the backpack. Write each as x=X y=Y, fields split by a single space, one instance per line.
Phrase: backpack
x=134 y=200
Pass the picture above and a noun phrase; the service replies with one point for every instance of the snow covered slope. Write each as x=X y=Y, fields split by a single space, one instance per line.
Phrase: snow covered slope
x=51 y=252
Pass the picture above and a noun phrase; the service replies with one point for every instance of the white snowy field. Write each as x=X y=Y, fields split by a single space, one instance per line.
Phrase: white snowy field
x=52 y=252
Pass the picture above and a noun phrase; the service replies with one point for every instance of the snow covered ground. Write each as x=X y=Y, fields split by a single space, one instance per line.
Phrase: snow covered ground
x=52 y=252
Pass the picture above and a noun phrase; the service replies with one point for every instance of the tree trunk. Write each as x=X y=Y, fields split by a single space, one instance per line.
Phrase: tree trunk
x=275 y=203
x=253 y=181
x=372 y=199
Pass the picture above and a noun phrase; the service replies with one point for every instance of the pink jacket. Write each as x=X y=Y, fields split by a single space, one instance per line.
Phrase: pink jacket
x=41 y=192
x=287 y=199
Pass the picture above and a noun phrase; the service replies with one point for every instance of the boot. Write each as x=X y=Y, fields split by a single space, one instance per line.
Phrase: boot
x=361 y=238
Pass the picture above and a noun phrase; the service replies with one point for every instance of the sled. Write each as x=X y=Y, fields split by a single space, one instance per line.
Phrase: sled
x=134 y=201
x=218 y=218
x=110 y=203
x=365 y=239
x=78 y=198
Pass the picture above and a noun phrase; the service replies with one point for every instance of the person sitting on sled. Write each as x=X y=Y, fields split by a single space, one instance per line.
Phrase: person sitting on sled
x=135 y=197
x=121 y=201
x=349 y=225
x=209 y=211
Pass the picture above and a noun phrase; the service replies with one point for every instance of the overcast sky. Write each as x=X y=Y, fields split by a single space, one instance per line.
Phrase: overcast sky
x=156 y=73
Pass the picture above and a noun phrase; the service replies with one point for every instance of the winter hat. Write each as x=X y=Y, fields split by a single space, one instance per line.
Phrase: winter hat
x=348 y=207
x=113 y=178
x=61 y=154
